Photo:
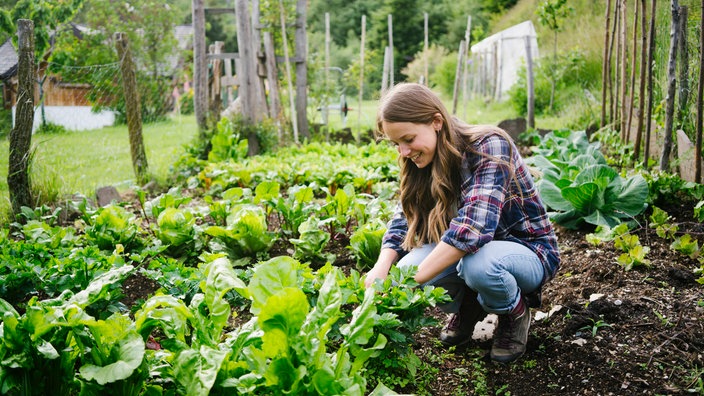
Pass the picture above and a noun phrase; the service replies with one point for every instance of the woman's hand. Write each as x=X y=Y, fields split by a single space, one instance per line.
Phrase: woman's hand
x=375 y=273
x=381 y=269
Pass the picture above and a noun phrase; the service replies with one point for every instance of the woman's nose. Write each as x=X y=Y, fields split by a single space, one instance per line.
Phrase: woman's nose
x=403 y=150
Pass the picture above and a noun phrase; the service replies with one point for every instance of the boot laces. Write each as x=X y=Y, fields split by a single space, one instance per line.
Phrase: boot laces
x=507 y=326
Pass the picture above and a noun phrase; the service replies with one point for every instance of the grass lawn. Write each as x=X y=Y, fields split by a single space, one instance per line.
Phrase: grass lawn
x=81 y=161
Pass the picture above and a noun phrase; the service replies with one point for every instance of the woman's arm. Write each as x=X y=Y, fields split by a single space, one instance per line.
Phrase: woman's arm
x=387 y=257
x=438 y=260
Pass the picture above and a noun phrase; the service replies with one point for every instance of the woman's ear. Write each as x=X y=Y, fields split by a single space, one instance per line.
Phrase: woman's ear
x=437 y=122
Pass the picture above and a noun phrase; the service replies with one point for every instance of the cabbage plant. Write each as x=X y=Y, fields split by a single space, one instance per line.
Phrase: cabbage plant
x=246 y=232
x=176 y=228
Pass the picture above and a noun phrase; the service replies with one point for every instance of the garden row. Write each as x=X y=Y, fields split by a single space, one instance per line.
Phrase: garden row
x=230 y=315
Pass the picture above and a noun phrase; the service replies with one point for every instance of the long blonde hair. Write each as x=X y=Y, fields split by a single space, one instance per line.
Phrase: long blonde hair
x=429 y=195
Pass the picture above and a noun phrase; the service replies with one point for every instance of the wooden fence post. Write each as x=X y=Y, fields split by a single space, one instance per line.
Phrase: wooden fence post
x=21 y=134
x=272 y=76
x=425 y=49
x=200 y=68
x=700 y=102
x=289 y=77
x=641 y=85
x=649 y=113
x=634 y=58
x=458 y=76
x=301 y=47
x=605 y=65
x=132 y=108
x=671 y=87
x=683 y=94
x=529 y=81
x=391 y=50
x=361 y=74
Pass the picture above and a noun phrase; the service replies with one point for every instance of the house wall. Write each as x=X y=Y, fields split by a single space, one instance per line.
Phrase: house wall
x=75 y=118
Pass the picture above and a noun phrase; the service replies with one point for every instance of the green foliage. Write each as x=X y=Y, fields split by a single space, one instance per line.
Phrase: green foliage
x=634 y=253
x=365 y=244
x=661 y=221
x=580 y=188
x=572 y=72
x=245 y=234
x=311 y=243
x=176 y=229
x=686 y=245
x=111 y=226
x=226 y=143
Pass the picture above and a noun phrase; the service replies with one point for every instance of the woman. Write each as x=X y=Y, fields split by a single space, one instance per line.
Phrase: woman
x=470 y=219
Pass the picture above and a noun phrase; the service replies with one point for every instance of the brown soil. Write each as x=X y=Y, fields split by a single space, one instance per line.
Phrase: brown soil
x=617 y=332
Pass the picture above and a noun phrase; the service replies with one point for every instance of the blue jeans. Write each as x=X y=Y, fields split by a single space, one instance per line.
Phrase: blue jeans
x=500 y=272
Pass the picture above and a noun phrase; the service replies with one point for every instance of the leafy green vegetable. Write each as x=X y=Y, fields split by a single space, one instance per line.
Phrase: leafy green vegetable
x=113 y=225
x=310 y=246
x=176 y=228
x=365 y=244
x=246 y=232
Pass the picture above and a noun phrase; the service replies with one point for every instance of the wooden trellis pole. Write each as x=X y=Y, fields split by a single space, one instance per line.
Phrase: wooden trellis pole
x=287 y=62
x=200 y=68
x=425 y=49
x=529 y=81
x=624 y=62
x=613 y=75
x=634 y=59
x=649 y=113
x=700 y=101
x=683 y=92
x=391 y=51
x=301 y=47
x=605 y=65
x=671 y=87
x=641 y=85
x=361 y=73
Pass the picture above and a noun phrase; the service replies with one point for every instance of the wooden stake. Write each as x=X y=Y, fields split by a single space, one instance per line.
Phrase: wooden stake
x=605 y=65
x=361 y=73
x=700 y=101
x=649 y=114
x=641 y=85
x=287 y=62
x=200 y=69
x=671 y=88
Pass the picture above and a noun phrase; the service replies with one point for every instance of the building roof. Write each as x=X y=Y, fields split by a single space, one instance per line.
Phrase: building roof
x=8 y=60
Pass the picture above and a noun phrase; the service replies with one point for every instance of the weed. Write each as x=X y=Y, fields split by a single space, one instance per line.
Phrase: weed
x=595 y=326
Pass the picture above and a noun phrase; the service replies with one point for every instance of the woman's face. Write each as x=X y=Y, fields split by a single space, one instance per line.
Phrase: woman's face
x=416 y=142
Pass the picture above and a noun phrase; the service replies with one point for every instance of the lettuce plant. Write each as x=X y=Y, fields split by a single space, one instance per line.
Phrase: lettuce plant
x=598 y=195
x=113 y=225
x=365 y=244
x=246 y=232
x=311 y=243
x=176 y=228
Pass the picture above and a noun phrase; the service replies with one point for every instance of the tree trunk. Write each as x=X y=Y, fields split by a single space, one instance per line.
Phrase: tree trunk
x=605 y=65
x=391 y=50
x=21 y=135
x=132 y=108
x=302 y=69
x=200 y=69
x=671 y=88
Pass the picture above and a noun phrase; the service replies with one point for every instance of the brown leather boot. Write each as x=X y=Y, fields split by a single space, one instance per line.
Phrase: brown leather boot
x=460 y=326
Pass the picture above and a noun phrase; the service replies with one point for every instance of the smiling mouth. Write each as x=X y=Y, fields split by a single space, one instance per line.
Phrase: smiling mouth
x=414 y=158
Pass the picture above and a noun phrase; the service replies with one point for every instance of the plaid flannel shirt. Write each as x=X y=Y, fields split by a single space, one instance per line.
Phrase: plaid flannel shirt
x=488 y=210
